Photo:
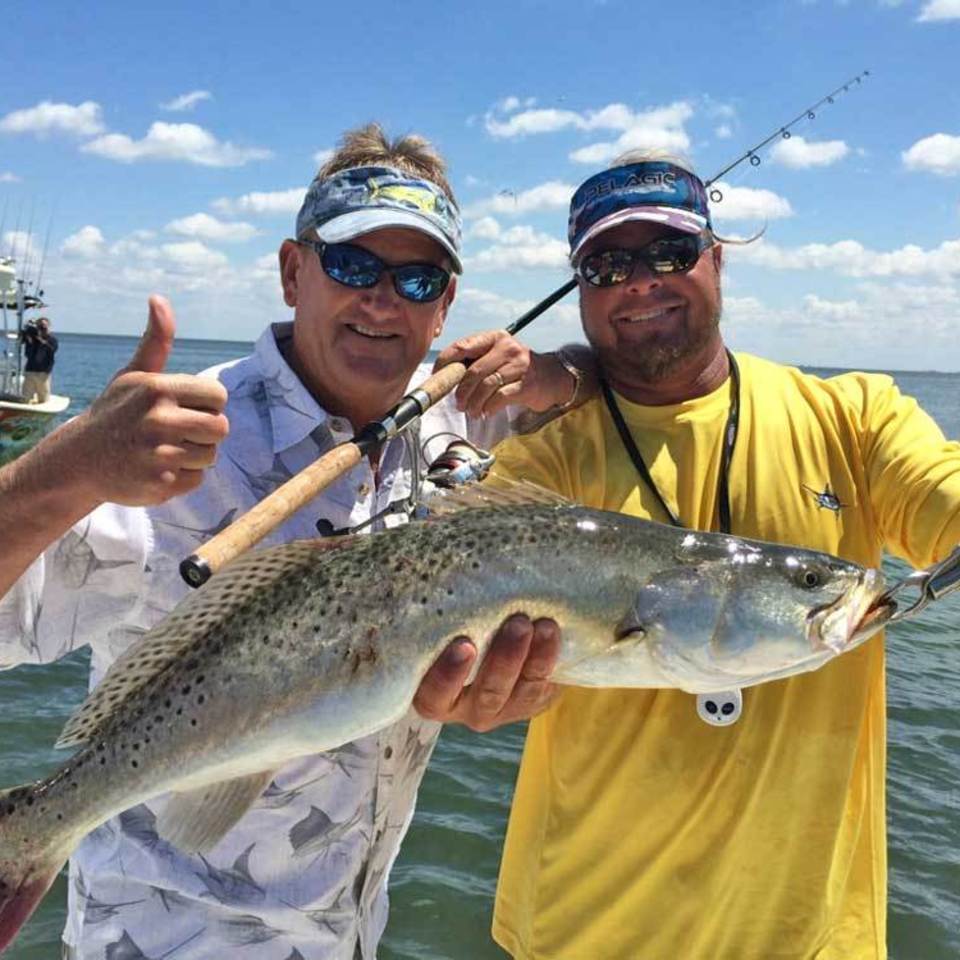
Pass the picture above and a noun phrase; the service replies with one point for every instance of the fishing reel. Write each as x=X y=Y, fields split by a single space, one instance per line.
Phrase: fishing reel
x=462 y=462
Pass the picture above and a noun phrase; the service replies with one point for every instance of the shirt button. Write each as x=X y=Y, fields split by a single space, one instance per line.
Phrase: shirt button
x=363 y=489
x=338 y=425
x=388 y=753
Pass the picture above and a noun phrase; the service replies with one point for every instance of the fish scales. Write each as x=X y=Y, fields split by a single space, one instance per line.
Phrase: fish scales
x=299 y=648
x=301 y=622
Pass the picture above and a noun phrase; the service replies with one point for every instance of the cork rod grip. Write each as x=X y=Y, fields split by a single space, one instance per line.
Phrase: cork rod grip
x=439 y=384
x=269 y=513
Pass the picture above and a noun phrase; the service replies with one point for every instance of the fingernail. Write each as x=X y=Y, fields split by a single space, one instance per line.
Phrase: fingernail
x=460 y=653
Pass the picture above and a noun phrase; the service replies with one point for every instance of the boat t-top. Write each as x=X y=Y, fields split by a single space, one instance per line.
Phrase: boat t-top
x=21 y=423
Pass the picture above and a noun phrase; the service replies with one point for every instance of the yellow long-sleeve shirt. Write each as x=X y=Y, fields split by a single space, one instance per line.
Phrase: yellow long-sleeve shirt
x=637 y=831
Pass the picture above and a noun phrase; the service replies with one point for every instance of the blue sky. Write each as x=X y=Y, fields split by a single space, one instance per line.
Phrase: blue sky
x=167 y=150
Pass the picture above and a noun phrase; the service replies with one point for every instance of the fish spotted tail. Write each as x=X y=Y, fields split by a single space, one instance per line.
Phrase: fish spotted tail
x=28 y=866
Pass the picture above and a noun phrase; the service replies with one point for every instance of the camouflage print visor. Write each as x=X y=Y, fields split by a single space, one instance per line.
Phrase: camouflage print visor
x=655 y=190
x=363 y=199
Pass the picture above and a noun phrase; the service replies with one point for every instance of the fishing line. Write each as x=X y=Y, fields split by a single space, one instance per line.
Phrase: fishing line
x=784 y=133
x=716 y=195
x=43 y=258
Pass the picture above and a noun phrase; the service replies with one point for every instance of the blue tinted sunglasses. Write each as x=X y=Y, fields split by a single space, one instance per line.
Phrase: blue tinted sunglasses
x=607 y=268
x=359 y=268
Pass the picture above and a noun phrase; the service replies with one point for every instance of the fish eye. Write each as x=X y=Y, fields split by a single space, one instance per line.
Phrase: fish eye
x=809 y=578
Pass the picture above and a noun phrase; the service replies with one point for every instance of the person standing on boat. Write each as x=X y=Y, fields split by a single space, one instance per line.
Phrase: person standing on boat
x=370 y=275
x=40 y=347
x=638 y=830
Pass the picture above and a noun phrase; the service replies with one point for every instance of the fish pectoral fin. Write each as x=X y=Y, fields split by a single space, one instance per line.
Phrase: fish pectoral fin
x=497 y=492
x=195 y=820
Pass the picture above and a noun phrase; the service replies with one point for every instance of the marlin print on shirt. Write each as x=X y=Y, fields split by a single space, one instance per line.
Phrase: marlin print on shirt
x=827 y=499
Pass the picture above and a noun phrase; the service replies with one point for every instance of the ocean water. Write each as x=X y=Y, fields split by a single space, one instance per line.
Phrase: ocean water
x=442 y=886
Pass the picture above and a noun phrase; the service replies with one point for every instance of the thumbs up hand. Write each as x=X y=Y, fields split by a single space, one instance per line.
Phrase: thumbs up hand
x=150 y=434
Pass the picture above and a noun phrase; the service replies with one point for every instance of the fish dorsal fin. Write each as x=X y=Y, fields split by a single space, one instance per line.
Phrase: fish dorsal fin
x=496 y=492
x=175 y=636
x=195 y=820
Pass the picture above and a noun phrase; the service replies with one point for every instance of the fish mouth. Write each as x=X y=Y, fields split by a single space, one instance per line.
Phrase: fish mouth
x=855 y=615
x=878 y=614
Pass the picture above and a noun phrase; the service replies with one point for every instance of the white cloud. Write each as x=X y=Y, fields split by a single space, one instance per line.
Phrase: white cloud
x=205 y=227
x=660 y=127
x=174 y=141
x=20 y=245
x=86 y=242
x=723 y=132
x=938 y=154
x=8 y=177
x=799 y=153
x=486 y=228
x=748 y=203
x=940 y=10
x=83 y=120
x=322 y=156
x=878 y=324
x=263 y=204
x=266 y=263
x=553 y=195
x=521 y=248
x=134 y=247
x=191 y=255
x=546 y=120
x=850 y=258
x=186 y=101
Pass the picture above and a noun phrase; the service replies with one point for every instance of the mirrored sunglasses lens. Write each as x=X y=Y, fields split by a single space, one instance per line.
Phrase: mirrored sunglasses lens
x=420 y=283
x=672 y=256
x=607 y=268
x=351 y=266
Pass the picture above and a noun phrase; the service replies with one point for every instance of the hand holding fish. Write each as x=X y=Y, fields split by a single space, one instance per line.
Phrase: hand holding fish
x=511 y=684
x=504 y=371
x=157 y=430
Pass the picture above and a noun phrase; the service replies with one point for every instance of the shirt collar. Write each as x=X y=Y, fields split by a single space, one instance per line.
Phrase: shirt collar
x=294 y=413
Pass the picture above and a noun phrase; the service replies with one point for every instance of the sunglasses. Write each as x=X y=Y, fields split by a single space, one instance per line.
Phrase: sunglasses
x=358 y=268
x=607 y=268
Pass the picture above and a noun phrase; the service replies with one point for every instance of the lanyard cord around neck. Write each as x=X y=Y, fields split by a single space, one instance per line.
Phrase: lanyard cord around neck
x=729 y=442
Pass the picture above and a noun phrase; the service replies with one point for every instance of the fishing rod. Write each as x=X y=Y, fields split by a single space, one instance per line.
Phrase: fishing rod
x=809 y=113
x=43 y=258
x=270 y=512
x=28 y=250
x=283 y=502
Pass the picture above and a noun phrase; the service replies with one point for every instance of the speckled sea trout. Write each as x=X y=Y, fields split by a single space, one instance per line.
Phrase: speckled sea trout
x=300 y=648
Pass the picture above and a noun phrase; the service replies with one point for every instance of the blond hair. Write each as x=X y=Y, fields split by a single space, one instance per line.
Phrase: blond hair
x=369 y=145
x=651 y=155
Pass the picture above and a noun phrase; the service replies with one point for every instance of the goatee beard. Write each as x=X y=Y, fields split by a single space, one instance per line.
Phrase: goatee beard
x=660 y=361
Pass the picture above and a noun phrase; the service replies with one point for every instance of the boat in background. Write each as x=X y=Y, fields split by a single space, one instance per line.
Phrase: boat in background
x=21 y=423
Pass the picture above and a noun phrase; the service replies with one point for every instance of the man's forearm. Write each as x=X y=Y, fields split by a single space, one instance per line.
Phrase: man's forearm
x=40 y=500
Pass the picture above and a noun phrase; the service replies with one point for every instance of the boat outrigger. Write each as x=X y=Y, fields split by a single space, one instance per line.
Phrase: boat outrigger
x=21 y=423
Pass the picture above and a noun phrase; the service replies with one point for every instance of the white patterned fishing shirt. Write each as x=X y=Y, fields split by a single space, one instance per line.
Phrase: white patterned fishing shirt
x=302 y=876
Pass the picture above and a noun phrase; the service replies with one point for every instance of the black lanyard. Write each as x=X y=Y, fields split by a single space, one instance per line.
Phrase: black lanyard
x=729 y=442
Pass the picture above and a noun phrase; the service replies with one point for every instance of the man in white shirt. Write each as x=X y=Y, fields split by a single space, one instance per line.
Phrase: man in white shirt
x=370 y=276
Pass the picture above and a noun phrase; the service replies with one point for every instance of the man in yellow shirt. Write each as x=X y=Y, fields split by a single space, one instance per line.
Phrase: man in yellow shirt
x=639 y=832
